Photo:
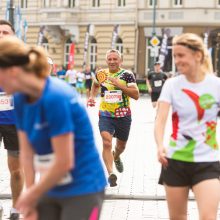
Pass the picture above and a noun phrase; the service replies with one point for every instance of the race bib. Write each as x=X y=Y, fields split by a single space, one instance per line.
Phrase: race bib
x=113 y=96
x=6 y=102
x=43 y=162
x=158 y=83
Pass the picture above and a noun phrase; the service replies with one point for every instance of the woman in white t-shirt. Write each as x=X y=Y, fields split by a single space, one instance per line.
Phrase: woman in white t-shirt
x=191 y=160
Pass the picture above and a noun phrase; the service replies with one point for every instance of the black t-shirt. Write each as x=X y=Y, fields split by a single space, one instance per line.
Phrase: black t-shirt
x=156 y=80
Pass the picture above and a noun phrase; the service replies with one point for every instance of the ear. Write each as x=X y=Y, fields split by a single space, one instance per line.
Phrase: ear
x=198 y=56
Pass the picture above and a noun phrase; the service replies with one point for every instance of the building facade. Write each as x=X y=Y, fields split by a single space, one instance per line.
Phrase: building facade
x=94 y=26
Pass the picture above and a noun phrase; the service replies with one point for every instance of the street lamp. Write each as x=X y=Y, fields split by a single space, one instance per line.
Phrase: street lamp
x=11 y=12
x=154 y=18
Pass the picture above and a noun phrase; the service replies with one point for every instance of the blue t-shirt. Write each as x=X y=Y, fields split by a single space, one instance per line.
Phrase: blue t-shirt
x=58 y=111
x=7 y=116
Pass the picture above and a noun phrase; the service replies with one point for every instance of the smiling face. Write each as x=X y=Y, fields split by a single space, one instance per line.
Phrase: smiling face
x=113 y=61
x=186 y=60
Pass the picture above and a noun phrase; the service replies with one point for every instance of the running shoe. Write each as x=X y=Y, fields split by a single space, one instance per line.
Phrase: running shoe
x=118 y=164
x=112 y=180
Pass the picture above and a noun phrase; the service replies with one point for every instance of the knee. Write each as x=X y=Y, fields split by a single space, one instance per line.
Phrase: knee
x=107 y=144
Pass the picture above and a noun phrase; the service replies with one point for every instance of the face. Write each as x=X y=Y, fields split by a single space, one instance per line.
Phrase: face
x=186 y=60
x=8 y=79
x=5 y=30
x=157 y=68
x=114 y=62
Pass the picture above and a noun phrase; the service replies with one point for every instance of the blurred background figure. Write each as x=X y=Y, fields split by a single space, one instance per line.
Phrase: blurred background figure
x=71 y=76
x=155 y=81
x=80 y=76
x=61 y=72
x=89 y=76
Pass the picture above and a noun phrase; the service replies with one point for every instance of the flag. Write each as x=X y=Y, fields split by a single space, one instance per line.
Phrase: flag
x=163 y=48
x=25 y=28
x=18 y=22
x=115 y=36
x=86 y=44
x=71 y=55
x=41 y=35
x=7 y=11
x=206 y=38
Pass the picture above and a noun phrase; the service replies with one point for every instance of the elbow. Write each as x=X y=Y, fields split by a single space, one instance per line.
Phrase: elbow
x=137 y=96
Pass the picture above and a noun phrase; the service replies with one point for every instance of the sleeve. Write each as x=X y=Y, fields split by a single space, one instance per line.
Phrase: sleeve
x=18 y=111
x=166 y=93
x=59 y=115
x=129 y=78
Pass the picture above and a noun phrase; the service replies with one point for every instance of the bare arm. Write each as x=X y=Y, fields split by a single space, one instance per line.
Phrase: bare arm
x=131 y=90
x=63 y=162
x=148 y=86
x=26 y=158
x=160 y=124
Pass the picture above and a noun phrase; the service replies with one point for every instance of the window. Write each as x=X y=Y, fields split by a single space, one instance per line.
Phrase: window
x=218 y=3
x=67 y=51
x=178 y=2
x=121 y=3
x=95 y=3
x=45 y=44
x=93 y=53
x=24 y=3
x=47 y=3
x=72 y=4
x=119 y=45
x=151 y=3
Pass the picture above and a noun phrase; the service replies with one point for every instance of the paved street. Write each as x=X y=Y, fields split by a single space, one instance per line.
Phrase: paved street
x=137 y=196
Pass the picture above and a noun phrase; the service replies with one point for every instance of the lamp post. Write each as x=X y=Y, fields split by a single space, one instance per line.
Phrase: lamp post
x=11 y=12
x=154 y=18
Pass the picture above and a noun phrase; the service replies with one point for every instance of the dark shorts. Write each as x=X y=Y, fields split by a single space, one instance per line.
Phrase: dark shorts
x=155 y=96
x=179 y=173
x=88 y=84
x=9 y=136
x=76 y=208
x=118 y=127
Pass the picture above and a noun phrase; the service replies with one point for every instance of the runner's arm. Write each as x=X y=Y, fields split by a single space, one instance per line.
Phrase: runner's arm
x=94 y=90
x=26 y=158
x=159 y=129
x=131 y=90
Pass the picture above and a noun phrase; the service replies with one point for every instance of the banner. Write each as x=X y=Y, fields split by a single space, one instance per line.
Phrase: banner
x=7 y=11
x=18 y=22
x=163 y=48
x=71 y=55
x=115 y=35
x=25 y=28
x=41 y=35
x=206 y=39
x=86 y=44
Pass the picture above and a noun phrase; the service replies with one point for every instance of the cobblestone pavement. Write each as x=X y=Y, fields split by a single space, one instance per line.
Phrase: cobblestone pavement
x=137 y=196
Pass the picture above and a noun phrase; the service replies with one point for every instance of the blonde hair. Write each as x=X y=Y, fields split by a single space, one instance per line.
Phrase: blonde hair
x=13 y=52
x=113 y=51
x=195 y=43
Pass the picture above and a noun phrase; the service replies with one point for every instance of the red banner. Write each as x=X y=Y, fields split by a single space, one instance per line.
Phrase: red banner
x=71 y=55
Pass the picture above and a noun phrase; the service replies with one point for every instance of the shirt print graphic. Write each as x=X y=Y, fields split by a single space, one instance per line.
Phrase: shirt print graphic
x=201 y=103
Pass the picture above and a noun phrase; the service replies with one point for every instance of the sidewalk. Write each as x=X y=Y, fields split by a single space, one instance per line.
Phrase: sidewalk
x=137 y=196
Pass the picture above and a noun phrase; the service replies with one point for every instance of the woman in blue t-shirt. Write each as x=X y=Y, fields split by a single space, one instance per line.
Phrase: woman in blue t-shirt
x=55 y=137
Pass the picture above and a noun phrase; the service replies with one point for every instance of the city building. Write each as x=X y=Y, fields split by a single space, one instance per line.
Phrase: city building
x=138 y=28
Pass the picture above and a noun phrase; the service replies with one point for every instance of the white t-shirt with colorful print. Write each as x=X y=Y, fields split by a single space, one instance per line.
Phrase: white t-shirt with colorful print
x=114 y=103
x=194 y=118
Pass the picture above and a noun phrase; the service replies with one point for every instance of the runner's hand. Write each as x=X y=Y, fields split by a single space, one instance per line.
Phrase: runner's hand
x=161 y=154
x=90 y=102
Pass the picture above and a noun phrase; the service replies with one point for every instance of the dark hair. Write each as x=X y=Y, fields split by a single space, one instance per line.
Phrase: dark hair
x=4 y=22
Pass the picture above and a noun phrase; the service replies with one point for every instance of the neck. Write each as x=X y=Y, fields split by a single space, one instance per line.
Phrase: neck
x=32 y=87
x=196 y=77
